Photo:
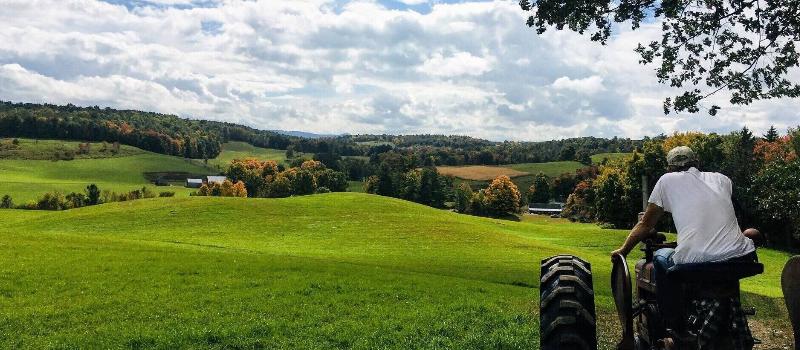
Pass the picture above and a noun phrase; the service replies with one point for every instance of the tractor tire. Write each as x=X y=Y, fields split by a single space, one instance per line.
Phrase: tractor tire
x=566 y=305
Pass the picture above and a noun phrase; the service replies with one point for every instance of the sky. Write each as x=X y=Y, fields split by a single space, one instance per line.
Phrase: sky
x=334 y=66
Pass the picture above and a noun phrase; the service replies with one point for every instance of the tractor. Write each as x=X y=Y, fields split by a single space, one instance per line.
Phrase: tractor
x=567 y=312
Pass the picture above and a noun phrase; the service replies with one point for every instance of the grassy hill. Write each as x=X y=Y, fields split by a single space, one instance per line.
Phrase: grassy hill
x=242 y=150
x=340 y=270
x=25 y=174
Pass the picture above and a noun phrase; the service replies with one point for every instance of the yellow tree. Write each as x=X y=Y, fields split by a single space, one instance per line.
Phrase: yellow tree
x=502 y=196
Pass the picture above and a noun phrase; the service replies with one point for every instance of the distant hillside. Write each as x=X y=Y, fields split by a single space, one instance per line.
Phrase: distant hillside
x=31 y=168
x=203 y=139
x=303 y=134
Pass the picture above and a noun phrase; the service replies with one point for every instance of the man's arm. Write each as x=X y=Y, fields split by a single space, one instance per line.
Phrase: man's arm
x=642 y=230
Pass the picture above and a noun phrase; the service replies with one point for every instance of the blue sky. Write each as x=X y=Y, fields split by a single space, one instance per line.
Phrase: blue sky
x=335 y=66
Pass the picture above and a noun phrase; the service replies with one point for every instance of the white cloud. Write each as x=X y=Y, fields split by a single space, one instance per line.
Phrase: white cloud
x=460 y=63
x=590 y=85
x=320 y=65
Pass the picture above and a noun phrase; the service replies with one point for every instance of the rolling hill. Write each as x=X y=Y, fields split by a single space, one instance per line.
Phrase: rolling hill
x=30 y=170
x=242 y=150
x=339 y=270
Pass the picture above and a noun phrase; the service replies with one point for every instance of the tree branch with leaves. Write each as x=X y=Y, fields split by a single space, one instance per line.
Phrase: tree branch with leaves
x=745 y=47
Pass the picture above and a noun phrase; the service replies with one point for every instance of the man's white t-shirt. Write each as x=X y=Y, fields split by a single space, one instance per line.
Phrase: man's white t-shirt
x=701 y=206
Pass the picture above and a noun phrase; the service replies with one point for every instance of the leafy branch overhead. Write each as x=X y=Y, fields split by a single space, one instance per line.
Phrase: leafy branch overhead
x=747 y=47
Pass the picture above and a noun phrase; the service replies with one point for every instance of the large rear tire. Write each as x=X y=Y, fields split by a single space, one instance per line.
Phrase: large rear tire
x=566 y=305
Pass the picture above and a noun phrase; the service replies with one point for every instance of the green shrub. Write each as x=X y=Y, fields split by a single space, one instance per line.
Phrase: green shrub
x=6 y=202
x=166 y=194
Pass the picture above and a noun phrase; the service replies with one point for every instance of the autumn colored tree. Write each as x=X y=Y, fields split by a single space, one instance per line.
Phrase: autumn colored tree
x=502 y=197
x=312 y=165
x=580 y=204
x=563 y=185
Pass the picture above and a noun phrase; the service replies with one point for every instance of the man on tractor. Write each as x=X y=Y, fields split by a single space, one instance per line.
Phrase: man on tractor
x=703 y=212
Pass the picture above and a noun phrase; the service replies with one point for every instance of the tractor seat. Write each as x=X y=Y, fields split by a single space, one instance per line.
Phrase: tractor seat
x=715 y=272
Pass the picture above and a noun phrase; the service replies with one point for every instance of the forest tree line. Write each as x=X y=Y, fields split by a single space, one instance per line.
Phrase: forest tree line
x=203 y=139
x=765 y=172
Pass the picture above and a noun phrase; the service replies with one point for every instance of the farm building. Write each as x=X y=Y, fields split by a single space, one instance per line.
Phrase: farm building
x=216 y=179
x=194 y=183
x=545 y=208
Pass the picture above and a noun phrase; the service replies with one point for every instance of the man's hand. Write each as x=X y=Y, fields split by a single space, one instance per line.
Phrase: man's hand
x=620 y=251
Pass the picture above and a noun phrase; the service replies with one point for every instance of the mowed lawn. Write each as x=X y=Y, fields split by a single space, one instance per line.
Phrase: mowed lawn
x=339 y=270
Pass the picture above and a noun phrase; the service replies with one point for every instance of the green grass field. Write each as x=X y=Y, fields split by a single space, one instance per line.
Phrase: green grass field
x=55 y=149
x=242 y=150
x=598 y=158
x=340 y=270
x=551 y=169
x=30 y=177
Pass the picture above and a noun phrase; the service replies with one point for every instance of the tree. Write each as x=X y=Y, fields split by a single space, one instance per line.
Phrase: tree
x=6 y=202
x=583 y=157
x=333 y=181
x=386 y=186
x=746 y=47
x=76 y=200
x=52 y=201
x=92 y=195
x=777 y=195
x=502 y=197
x=563 y=185
x=540 y=190
x=303 y=182
x=463 y=197
x=567 y=153
x=771 y=135
x=280 y=187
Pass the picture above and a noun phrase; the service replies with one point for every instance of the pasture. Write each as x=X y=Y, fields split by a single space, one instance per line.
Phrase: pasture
x=60 y=149
x=242 y=150
x=25 y=179
x=598 y=158
x=339 y=270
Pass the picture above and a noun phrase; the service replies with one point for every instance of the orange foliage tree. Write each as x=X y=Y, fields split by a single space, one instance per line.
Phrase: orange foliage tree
x=502 y=197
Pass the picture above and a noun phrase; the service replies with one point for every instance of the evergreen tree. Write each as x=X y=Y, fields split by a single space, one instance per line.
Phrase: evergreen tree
x=386 y=185
x=92 y=195
x=7 y=202
x=771 y=135
x=540 y=190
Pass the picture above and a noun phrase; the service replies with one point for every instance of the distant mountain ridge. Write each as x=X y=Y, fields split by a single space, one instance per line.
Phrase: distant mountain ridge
x=305 y=134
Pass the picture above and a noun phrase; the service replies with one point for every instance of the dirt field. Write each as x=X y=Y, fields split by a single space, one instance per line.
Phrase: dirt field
x=479 y=172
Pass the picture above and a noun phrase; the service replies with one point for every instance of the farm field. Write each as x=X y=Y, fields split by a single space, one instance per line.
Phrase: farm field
x=478 y=172
x=339 y=270
x=25 y=180
x=485 y=172
x=551 y=169
x=598 y=158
